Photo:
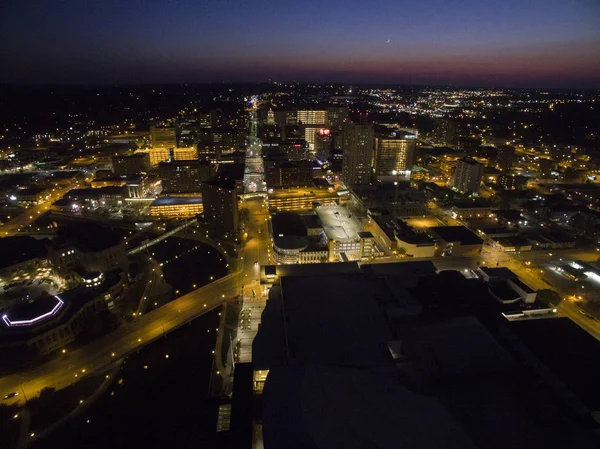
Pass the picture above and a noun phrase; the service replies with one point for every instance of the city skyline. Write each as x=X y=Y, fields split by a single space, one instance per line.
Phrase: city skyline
x=539 y=44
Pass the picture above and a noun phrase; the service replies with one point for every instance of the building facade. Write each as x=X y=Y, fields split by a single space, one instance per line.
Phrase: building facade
x=131 y=165
x=358 y=145
x=184 y=176
x=220 y=198
x=394 y=156
x=163 y=137
x=468 y=175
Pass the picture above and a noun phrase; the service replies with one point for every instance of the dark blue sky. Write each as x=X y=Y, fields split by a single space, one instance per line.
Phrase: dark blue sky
x=537 y=43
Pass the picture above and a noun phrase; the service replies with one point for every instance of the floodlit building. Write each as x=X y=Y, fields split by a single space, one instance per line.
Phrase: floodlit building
x=394 y=155
x=163 y=137
x=311 y=121
x=176 y=207
x=161 y=154
x=346 y=238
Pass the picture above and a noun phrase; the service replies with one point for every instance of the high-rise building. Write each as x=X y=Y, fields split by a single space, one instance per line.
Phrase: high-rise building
x=394 y=155
x=335 y=118
x=204 y=119
x=448 y=130
x=311 y=121
x=284 y=173
x=467 y=176
x=131 y=165
x=323 y=144
x=220 y=200
x=163 y=137
x=358 y=144
x=184 y=176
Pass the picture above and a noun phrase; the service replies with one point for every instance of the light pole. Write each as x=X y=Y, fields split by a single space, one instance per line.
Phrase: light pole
x=395 y=173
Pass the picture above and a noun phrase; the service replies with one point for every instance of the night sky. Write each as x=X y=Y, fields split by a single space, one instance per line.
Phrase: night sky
x=523 y=43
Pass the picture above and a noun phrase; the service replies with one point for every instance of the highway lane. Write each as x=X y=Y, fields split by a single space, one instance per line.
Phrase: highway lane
x=101 y=353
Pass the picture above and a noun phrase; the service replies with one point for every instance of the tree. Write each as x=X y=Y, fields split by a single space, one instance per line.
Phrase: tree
x=46 y=394
x=549 y=297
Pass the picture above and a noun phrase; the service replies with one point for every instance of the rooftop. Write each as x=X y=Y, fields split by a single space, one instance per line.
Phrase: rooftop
x=456 y=234
x=313 y=328
x=30 y=313
x=176 y=200
x=571 y=353
x=500 y=272
x=339 y=224
x=289 y=231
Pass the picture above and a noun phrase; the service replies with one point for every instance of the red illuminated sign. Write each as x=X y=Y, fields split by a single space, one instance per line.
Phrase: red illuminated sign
x=324 y=132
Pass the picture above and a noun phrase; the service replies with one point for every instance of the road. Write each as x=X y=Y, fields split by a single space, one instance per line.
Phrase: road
x=102 y=353
x=32 y=213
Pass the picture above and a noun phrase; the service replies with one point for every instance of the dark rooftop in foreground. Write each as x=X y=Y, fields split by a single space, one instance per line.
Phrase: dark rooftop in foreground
x=568 y=351
x=420 y=268
x=499 y=272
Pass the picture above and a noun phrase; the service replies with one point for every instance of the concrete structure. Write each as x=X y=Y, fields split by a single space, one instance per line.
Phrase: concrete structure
x=526 y=293
x=359 y=146
x=456 y=240
x=346 y=237
x=394 y=155
x=326 y=374
x=221 y=203
x=176 y=207
x=468 y=175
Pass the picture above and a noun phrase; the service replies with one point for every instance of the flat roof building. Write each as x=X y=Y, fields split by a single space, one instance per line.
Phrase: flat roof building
x=455 y=240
